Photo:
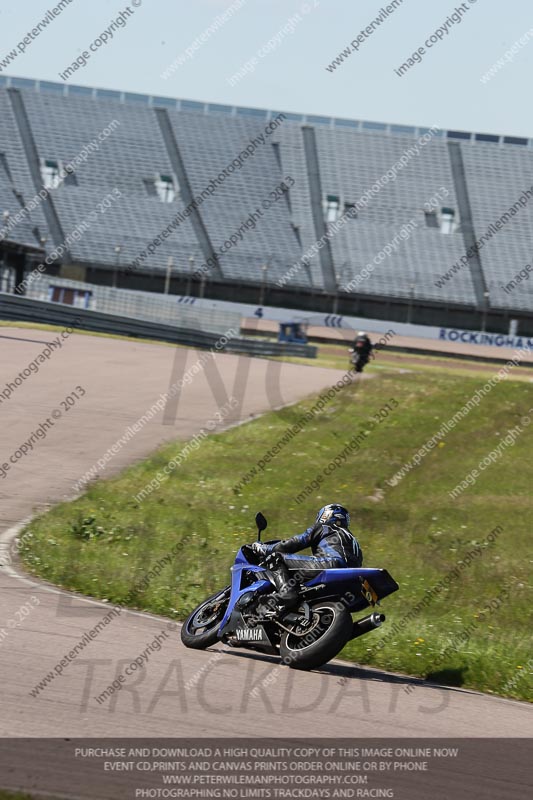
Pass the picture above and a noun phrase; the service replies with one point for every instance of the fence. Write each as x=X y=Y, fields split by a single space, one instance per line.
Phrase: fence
x=149 y=306
x=24 y=309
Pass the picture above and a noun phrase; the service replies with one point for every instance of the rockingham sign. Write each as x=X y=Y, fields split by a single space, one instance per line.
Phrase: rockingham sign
x=477 y=337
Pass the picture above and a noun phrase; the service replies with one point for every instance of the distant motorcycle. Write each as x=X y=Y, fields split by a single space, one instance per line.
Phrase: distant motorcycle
x=358 y=359
x=245 y=613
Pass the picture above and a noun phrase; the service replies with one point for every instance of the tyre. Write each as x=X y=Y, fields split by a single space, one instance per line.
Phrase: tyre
x=358 y=363
x=200 y=629
x=316 y=644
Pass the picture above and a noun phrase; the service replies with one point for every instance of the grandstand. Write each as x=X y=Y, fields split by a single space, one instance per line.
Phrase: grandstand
x=119 y=170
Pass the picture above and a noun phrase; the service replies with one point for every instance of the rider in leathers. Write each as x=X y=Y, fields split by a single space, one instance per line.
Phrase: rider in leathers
x=333 y=546
x=363 y=344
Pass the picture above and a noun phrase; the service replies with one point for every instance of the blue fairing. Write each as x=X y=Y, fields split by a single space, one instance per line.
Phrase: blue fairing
x=346 y=583
x=344 y=575
x=342 y=583
x=260 y=586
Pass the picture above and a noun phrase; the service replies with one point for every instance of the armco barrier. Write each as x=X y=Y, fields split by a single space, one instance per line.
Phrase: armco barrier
x=164 y=309
x=22 y=309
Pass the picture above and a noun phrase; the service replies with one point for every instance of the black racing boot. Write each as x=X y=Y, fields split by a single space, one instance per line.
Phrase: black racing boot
x=286 y=594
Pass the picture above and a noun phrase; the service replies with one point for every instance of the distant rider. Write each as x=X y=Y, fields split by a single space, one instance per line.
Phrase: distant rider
x=333 y=546
x=362 y=348
x=362 y=344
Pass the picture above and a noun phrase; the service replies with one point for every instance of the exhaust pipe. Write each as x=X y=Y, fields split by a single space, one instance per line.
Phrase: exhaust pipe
x=367 y=624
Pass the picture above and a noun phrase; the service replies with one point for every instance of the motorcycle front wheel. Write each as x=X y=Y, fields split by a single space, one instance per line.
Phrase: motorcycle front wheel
x=318 y=642
x=200 y=629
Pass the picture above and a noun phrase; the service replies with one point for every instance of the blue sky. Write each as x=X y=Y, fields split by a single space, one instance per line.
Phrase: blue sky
x=444 y=89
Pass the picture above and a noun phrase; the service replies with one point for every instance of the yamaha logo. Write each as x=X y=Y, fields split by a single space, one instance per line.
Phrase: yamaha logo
x=249 y=634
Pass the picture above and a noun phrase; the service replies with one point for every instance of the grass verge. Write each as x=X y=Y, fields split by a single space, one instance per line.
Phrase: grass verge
x=470 y=633
x=5 y=795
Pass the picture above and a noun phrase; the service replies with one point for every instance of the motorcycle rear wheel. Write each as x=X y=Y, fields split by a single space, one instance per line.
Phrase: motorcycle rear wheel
x=314 y=646
x=200 y=629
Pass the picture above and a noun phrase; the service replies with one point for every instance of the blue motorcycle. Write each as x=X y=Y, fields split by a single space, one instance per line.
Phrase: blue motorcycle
x=246 y=614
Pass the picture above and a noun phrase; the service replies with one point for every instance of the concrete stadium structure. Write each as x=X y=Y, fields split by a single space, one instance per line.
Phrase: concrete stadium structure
x=385 y=221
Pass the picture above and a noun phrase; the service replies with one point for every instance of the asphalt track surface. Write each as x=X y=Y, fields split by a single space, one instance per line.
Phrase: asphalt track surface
x=180 y=692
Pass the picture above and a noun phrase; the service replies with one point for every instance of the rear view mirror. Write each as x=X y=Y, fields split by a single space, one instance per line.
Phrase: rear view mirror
x=261 y=523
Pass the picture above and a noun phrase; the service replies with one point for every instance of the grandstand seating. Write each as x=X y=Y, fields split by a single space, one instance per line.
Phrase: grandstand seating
x=496 y=181
x=15 y=175
x=351 y=156
x=350 y=164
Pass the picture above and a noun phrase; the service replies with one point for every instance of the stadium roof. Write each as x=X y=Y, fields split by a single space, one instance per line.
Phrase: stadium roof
x=218 y=108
